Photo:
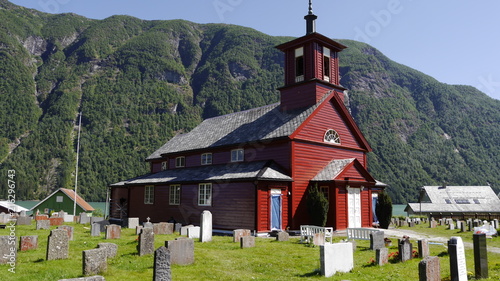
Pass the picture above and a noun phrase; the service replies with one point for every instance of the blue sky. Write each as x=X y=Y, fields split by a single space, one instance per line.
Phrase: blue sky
x=456 y=42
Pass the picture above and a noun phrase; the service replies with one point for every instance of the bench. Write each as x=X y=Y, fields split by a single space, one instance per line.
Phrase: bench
x=360 y=233
x=307 y=233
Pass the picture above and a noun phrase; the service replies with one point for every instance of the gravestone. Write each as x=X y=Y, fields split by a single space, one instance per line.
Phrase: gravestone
x=146 y=242
x=69 y=218
x=163 y=228
x=55 y=221
x=58 y=245
x=381 y=256
x=23 y=220
x=177 y=228
x=319 y=239
x=377 y=240
x=181 y=251
x=110 y=249
x=423 y=248
x=470 y=225
x=495 y=221
x=94 y=261
x=96 y=219
x=102 y=224
x=184 y=230
x=282 y=236
x=337 y=257
x=69 y=229
x=463 y=226
x=194 y=232
x=42 y=224
x=451 y=226
x=161 y=269
x=8 y=252
x=95 y=229
x=84 y=218
x=433 y=224
x=41 y=217
x=238 y=233
x=113 y=231
x=148 y=224
x=480 y=255
x=429 y=269
x=138 y=229
x=4 y=218
x=405 y=249
x=247 y=242
x=206 y=226
x=133 y=222
x=28 y=243
x=458 y=265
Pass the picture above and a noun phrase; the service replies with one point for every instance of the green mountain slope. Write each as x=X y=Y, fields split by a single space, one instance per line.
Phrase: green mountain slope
x=138 y=83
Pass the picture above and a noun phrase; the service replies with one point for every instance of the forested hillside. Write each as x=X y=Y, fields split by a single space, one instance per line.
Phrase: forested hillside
x=139 y=82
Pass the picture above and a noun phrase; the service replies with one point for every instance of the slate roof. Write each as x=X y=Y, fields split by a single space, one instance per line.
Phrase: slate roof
x=332 y=170
x=257 y=124
x=259 y=170
x=457 y=199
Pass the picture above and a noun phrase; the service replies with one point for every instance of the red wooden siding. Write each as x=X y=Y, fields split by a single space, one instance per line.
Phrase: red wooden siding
x=264 y=203
x=341 y=217
x=366 y=210
x=328 y=118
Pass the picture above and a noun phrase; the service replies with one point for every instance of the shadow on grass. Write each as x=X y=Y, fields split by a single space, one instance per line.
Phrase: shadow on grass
x=316 y=272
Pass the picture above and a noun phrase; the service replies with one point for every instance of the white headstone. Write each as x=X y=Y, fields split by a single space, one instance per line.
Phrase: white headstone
x=133 y=223
x=458 y=266
x=193 y=232
x=206 y=226
x=336 y=257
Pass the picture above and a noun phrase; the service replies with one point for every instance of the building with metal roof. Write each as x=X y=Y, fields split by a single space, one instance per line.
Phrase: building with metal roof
x=456 y=201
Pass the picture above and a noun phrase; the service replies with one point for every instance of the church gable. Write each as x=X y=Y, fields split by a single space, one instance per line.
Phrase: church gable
x=332 y=124
x=344 y=170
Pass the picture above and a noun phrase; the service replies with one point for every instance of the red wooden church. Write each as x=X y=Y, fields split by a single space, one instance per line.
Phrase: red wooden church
x=252 y=169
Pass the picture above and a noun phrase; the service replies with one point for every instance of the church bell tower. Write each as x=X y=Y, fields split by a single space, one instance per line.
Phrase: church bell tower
x=311 y=67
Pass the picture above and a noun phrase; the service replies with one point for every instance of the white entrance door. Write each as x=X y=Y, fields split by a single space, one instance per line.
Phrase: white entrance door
x=354 y=207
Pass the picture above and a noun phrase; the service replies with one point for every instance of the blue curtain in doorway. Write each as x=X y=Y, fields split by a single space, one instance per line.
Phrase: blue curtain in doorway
x=276 y=212
x=374 y=205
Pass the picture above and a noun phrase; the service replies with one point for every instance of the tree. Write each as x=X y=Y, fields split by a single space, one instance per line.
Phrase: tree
x=383 y=209
x=317 y=206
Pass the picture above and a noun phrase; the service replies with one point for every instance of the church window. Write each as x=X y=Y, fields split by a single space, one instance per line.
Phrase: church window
x=326 y=64
x=180 y=161
x=164 y=165
x=299 y=64
x=148 y=194
x=237 y=155
x=206 y=159
x=332 y=136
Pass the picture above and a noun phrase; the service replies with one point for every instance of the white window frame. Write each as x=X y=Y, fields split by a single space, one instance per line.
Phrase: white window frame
x=327 y=67
x=164 y=165
x=180 y=162
x=206 y=159
x=149 y=194
x=237 y=155
x=205 y=194
x=331 y=136
x=299 y=53
x=174 y=194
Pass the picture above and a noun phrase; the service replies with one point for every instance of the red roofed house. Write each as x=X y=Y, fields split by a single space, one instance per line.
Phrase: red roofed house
x=62 y=199
x=252 y=169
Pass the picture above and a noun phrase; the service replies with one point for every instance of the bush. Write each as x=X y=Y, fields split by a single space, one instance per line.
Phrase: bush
x=317 y=206
x=384 y=210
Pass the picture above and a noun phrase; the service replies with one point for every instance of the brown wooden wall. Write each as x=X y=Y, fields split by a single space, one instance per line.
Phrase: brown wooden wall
x=233 y=205
x=277 y=151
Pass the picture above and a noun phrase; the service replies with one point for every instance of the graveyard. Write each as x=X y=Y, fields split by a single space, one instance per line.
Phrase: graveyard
x=221 y=258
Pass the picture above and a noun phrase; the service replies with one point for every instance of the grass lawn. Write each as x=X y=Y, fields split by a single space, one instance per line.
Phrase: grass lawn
x=222 y=259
